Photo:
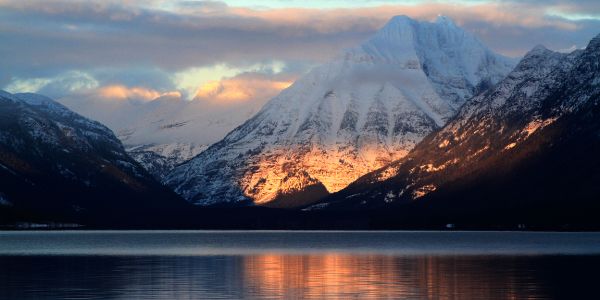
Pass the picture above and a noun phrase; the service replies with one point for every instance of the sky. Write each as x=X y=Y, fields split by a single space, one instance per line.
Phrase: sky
x=237 y=50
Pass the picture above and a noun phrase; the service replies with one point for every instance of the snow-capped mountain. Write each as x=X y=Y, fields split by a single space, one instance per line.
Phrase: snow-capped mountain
x=529 y=143
x=365 y=109
x=55 y=162
x=166 y=131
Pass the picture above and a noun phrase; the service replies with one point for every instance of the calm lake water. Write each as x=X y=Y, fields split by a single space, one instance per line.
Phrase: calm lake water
x=298 y=265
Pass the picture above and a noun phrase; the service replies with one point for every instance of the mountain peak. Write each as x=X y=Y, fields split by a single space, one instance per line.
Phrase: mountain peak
x=403 y=21
x=538 y=57
x=404 y=38
x=397 y=20
x=397 y=25
x=538 y=50
x=445 y=20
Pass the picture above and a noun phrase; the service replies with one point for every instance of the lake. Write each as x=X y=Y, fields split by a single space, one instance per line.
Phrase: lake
x=297 y=265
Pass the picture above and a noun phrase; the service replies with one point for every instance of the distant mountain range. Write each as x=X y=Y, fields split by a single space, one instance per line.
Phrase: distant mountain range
x=418 y=127
x=365 y=109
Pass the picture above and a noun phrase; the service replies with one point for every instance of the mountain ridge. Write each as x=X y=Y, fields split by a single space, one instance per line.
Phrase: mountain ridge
x=527 y=143
x=59 y=165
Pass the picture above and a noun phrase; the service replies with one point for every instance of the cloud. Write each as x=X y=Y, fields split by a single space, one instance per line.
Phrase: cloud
x=190 y=81
x=219 y=84
x=242 y=88
x=184 y=45
x=81 y=83
x=26 y=85
x=64 y=83
x=120 y=92
x=78 y=34
x=575 y=10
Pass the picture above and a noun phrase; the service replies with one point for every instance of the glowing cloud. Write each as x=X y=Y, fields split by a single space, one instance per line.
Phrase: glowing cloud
x=241 y=88
x=119 y=92
x=205 y=81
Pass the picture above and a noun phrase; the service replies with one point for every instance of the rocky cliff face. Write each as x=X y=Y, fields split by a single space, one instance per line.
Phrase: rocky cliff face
x=365 y=109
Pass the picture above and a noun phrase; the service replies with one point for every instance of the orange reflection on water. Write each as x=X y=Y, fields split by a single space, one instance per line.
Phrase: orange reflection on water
x=341 y=276
x=320 y=276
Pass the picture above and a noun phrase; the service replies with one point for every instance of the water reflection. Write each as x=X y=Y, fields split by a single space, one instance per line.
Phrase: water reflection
x=298 y=265
x=277 y=276
x=334 y=276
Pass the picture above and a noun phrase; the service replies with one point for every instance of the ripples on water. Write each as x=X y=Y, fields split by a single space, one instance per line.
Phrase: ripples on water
x=137 y=265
